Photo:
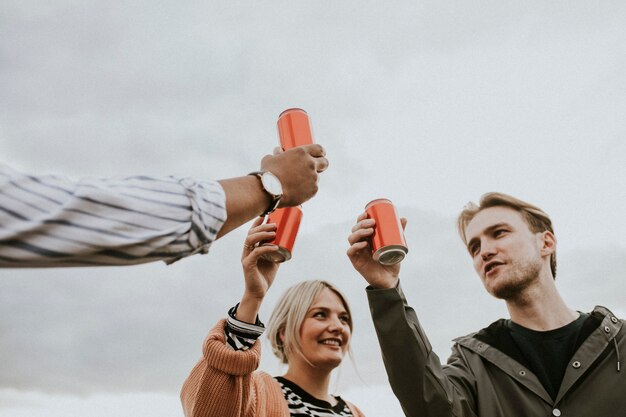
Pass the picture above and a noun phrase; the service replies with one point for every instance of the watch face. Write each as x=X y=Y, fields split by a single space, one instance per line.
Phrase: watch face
x=272 y=183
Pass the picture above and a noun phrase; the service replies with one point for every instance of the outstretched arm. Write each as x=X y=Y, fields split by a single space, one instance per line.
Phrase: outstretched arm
x=51 y=221
x=48 y=221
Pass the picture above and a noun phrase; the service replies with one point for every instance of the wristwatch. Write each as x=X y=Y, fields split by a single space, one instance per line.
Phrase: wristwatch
x=271 y=185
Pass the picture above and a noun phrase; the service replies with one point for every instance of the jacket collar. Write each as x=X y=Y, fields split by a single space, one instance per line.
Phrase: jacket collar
x=495 y=344
x=599 y=343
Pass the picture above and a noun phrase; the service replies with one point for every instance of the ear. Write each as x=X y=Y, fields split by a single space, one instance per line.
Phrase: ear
x=281 y=336
x=548 y=243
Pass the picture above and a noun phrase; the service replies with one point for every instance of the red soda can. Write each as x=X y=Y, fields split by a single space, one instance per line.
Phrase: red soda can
x=287 y=222
x=294 y=129
x=388 y=243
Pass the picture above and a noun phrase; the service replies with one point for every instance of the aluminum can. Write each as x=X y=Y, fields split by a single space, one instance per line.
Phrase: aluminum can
x=287 y=222
x=388 y=243
x=294 y=129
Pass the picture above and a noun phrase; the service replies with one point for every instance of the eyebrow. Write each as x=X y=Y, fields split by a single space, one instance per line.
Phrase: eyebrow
x=486 y=231
x=327 y=309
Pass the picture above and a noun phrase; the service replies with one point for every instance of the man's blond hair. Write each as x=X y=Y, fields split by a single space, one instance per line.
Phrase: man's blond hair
x=537 y=220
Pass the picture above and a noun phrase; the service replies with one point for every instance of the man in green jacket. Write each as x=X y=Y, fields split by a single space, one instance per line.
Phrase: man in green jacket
x=546 y=360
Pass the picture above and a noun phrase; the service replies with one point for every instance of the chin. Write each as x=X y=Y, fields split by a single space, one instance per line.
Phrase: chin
x=329 y=363
x=507 y=290
x=512 y=283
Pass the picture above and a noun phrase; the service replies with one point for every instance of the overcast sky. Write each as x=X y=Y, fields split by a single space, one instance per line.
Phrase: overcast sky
x=430 y=104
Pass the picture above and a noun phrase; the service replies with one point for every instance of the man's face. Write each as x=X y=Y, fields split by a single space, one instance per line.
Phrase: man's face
x=507 y=255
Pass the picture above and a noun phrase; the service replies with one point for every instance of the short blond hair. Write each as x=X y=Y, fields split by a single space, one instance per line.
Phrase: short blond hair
x=289 y=313
x=537 y=220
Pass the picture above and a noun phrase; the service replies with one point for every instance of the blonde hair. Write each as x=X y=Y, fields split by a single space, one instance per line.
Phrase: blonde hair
x=289 y=313
x=537 y=220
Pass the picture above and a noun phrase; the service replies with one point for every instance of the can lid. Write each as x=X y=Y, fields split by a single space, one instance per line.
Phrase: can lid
x=293 y=109
x=378 y=200
x=390 y=255
x=282 y=255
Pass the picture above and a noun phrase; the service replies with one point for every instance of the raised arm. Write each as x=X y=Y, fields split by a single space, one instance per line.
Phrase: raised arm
x=417 y=378
x=223 y=383
x=422 y=385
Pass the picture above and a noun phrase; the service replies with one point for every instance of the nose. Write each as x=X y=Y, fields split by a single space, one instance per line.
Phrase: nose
x=487 y=250
x=336 y=325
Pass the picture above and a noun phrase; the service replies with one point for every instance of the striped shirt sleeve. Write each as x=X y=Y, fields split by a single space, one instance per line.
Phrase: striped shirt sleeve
x=239 y=334
x=49 y=221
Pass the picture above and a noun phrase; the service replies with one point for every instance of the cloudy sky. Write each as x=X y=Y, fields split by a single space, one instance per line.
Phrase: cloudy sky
x=427 y=103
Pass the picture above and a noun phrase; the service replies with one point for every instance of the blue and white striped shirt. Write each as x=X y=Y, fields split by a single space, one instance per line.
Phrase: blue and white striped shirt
x=48 y=221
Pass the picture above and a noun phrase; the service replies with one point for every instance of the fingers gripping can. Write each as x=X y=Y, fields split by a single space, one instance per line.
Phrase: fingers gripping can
x=287 y=222
x=294 y=129
x=388 y=243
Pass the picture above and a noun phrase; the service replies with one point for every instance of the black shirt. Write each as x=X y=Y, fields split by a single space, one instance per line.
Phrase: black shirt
x=548 y=353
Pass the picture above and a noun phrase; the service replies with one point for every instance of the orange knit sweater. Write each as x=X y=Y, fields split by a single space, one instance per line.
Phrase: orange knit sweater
x=225 y=383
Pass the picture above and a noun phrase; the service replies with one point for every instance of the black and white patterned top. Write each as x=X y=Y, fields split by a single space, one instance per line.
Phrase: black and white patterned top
x=241 y=336
x=53 y=221
x=302 y=404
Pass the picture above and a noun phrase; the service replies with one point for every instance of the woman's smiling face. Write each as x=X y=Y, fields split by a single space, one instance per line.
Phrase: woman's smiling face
x=325 y=332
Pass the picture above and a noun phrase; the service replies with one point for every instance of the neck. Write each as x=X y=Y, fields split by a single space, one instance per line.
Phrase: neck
x=313 y=380
x=540 y=307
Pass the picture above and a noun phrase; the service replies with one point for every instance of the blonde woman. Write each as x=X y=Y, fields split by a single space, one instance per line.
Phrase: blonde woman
x=309 y=330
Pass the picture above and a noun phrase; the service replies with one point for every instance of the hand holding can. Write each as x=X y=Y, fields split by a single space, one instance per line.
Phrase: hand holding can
x=388 y=242
x=287 y=222
x=294 y=130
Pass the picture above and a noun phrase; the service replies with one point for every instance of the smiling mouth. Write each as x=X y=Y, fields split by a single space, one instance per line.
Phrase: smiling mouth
x=331 y=342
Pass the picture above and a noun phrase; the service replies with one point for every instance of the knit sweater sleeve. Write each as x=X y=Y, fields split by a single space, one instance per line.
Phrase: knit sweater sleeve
x=223 y=383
